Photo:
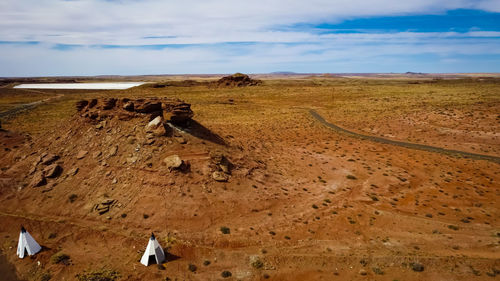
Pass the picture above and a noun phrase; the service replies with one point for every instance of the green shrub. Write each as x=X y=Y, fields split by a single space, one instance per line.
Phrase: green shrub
x=60 y=258
x=45 y=276
x=225 y=230
x=192 y=267
x=226 y=274
x=257 y=264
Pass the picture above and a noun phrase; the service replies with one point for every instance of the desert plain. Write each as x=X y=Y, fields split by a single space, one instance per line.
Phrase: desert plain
x=264 y=189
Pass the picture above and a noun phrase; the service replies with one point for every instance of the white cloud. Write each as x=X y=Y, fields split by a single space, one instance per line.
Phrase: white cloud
x=211 y=23
x=326 y=53
x=126 y=22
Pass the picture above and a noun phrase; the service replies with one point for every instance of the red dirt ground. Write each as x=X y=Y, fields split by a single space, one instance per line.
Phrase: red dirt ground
x=309 y=203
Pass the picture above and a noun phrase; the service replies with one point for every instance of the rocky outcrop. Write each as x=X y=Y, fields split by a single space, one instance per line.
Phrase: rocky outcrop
x=144 y=106
x=38 y=180
x=81 y=154
x=52 y=171
x=44 y=168
x=172 y=110
x=222 y=167
x=80 y=105
x=237 y=80
x=220 y=176
x=104 y=206
x=48 y=159
x=177 y=113
x=109 y=104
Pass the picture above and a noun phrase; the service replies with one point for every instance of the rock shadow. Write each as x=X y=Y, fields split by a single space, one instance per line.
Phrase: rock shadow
x=196 y=129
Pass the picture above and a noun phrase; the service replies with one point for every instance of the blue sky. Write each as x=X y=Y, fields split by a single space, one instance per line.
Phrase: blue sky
x=129 y=37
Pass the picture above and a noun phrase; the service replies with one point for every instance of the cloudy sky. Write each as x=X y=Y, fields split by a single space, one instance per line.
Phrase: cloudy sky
x=95 y=37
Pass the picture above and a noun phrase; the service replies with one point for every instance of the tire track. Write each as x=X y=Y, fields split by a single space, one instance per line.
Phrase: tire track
x=454 y=153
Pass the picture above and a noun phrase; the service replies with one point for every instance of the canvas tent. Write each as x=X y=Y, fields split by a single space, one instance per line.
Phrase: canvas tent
x=26 y=244
x=154 y=252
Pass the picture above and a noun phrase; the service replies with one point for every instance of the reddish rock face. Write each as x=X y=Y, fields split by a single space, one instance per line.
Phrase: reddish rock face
x=237 y=80
x=172 y=110
x=38 y=180
x=53 y=171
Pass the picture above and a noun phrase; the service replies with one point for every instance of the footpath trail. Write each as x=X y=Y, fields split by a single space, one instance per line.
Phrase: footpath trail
x=455 y=153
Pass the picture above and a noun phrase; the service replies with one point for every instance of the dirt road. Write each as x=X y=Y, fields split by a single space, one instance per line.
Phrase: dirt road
x=23 y=107
x=455 y=153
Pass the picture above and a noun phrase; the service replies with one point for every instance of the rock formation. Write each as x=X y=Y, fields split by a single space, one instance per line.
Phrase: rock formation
x=237 y=80
x=174 y=111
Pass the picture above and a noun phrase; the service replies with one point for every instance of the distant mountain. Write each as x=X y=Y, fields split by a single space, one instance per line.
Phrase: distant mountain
x=415 y=73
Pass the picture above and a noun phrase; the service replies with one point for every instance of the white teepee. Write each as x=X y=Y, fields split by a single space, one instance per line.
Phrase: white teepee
x=154 y=252
x=27 y=244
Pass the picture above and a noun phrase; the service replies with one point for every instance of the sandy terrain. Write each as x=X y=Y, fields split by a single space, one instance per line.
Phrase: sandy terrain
x=302 y=202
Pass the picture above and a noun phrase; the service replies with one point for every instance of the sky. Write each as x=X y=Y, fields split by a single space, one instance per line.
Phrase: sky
x=140 y=37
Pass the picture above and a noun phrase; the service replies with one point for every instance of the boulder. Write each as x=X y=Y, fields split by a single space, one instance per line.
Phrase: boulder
x=177 y=112
x=153 y=124
x=132 y=160
x=38 y=180
x=129 y=106
x=52 y=171
x=221 y=162
x=220 y=176
x=49 y=159
x=73 y=171
x=147 y=107
x=109 y=103
x=104 y=206
x=160 y=131
x=174 y=162
x=81 y=154
x=92 y=103
x=113 y=151
x=417 y=267
x=80 y=105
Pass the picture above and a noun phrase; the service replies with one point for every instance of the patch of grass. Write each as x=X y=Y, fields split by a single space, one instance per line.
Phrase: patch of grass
x=72 y=198
x=45 y=276
x=60 y=257
x=98 y=275
x=192 y=267
x=257 y=264
x=378 y=271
